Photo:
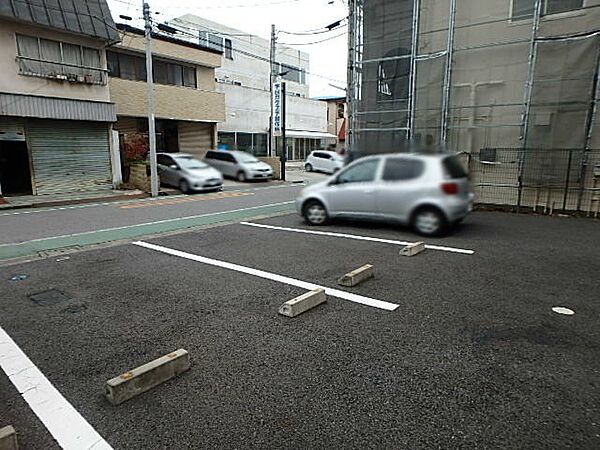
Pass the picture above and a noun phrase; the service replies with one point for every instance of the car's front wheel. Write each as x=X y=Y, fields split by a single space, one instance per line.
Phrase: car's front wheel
x=429 y=221
x=184 y=186
x=241 y=176
x=314 y=213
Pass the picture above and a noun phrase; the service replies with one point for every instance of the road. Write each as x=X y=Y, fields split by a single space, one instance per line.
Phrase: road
x=27 y=232
x=473 y=356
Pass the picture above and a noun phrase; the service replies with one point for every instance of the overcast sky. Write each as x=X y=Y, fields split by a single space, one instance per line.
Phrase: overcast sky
x=327 y=59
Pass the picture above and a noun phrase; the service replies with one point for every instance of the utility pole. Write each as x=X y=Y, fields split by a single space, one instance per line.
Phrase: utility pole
x=151 y=106
x=272 y=141
x=283 y=157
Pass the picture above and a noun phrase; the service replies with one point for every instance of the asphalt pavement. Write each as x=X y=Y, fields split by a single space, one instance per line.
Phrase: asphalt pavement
x=473 y=357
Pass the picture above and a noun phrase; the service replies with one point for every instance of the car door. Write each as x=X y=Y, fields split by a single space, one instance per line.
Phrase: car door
x=228 y=164
x=213 y=159
x=401 y=187
x=353 y=192
x=166 y=172
x=317 y=161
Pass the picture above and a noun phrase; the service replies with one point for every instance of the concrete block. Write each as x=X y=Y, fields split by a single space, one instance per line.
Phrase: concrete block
x=303 y=303
x=413 y=249
x=357 y=276
x=144 y=378
x=8 y=438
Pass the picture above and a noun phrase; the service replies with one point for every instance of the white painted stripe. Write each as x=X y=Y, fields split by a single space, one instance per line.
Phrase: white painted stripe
x=358 y=238
x=125 y=227
x=64 y=423
x=272 y=276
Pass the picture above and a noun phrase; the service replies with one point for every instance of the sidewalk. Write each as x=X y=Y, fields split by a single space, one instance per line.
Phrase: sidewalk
x=73 y=198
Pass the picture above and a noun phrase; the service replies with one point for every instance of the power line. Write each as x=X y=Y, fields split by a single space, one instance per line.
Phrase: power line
x=265 y=59
x=317 y=42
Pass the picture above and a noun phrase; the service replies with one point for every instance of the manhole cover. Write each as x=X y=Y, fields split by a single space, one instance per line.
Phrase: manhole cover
x=48 y=298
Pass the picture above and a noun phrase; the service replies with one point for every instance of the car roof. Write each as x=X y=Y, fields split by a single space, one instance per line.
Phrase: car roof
x=177 y=155
x=331 y=152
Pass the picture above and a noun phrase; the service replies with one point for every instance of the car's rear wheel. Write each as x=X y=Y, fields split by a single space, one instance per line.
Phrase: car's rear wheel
x=184 y=186
x=429 y=221
x=308 y=167
x=314 y=213
x=241 y=176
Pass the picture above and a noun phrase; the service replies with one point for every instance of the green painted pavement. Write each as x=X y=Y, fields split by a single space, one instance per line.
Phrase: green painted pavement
x=18 y=250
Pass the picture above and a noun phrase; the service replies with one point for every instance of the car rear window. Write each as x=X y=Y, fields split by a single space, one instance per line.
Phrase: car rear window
x=453 y=167
x=399 y=169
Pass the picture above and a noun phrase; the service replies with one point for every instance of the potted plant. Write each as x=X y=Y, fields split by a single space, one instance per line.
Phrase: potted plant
x=134 y=152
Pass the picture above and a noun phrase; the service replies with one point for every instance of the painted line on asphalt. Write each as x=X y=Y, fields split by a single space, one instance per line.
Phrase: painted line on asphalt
x=186 y=199
x=272 y=276
x=136 y=231
x=61 y=419
x=357 y=237
x=39 y=210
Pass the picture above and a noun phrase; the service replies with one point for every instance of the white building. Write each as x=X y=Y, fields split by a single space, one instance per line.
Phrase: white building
x=244 y=79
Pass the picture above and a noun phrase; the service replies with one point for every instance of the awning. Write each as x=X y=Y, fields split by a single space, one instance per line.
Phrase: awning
x=310 y=134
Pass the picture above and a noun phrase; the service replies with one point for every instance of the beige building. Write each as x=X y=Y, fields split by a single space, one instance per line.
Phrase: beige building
x=55 y=108
x=188 y=107
x=337 y=119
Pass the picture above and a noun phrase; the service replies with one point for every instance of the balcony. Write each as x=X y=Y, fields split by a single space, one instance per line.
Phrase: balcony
x=35 y=67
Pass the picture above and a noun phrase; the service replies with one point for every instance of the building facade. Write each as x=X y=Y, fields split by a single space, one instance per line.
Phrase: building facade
x=337 y=120
x=188 y=106
x=55 y=108
x=244 y=78
x=513 y=84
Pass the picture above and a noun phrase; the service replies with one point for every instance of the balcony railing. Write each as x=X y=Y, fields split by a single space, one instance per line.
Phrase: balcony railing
x=35 y=67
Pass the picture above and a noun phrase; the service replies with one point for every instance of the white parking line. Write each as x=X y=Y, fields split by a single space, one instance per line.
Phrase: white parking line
x=358 y=238
x=272 y=276
x=64 y=423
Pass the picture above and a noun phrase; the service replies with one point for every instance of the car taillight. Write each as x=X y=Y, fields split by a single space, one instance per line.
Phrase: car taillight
x=450 y=188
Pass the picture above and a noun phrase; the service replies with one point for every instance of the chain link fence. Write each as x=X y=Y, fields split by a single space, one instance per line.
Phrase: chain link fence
x=537 y=179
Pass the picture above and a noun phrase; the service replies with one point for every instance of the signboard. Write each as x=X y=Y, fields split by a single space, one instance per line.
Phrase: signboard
x=277 y=109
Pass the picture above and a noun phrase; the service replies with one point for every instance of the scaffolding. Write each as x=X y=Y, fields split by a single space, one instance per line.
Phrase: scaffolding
x=471 y=76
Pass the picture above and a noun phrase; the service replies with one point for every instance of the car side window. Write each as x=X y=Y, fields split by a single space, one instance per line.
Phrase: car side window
x=164 y=160
x=326 y=156
x=359 y=173
x=227 y=157
x=402 y=169
x=211 y=155
x=318 y=155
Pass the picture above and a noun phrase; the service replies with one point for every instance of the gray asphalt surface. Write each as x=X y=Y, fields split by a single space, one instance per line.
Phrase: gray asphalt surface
x=25 y=225
x=473 y=357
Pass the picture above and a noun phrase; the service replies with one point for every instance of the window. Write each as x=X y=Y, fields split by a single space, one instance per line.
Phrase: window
x=54 y=59
x=189 y=76
x=244 y=142
x=211 y=155
x=175 y=75
x=453 y=167
x=210 y=40
x=340 y=110
x=522 y=9
x=291 y=73
x=228 y=49
x=360 y=173
x=164 y=160
x=400 y=169
x=133 y=67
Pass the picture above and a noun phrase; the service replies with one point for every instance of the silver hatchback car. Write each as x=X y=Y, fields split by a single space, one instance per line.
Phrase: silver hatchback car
x=187 y=173
x=427 y=192
x=239 y=165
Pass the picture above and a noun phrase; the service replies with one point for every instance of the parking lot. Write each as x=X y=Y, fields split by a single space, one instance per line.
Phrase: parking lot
x=468 y=353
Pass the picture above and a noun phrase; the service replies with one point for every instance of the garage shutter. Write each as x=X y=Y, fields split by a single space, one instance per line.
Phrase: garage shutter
x=69 y=156
x=195 y=138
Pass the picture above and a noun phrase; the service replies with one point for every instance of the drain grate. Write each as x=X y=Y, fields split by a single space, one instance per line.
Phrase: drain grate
x=49 y=298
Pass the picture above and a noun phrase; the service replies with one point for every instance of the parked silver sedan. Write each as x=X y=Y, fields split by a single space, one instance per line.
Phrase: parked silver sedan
x=427 y=192
x=187 y=173
x=239 y=165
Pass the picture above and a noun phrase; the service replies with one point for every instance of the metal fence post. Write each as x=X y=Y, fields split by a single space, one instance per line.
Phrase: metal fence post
x=520 y=179
x=582 y=173
x=567 y=180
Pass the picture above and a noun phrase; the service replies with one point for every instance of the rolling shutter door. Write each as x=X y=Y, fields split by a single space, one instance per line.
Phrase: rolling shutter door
x=69 y=156
x=195 y=138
